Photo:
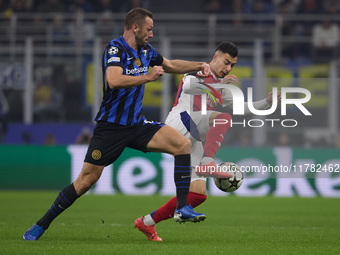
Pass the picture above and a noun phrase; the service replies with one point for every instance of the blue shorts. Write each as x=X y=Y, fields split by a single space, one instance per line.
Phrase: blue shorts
x=109 y=140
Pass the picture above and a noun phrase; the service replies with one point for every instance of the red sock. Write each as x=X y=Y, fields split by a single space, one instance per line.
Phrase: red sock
x=215 y=135
x=167 y=211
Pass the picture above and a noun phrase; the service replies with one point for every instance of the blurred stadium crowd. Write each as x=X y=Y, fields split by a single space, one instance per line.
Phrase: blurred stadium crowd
x=60 y=86
x=210 y=6
x=319 y=29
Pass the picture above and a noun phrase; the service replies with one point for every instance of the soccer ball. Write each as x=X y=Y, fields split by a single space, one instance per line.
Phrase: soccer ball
x=233 y=183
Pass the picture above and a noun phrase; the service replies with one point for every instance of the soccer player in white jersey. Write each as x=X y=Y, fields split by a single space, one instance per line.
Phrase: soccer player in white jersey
x=186 y=116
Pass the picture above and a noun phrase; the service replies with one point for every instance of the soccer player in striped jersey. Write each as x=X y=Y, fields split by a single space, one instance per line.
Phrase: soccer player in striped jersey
x=120 y=121
x=186 y=116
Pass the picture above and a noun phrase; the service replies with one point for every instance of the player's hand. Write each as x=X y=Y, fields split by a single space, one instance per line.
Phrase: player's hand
x=230 y=79
x=155 y=73
x=205 y=71
x=270 y=97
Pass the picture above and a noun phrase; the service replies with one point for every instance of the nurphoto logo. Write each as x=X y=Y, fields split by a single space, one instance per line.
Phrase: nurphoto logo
x=239 y=105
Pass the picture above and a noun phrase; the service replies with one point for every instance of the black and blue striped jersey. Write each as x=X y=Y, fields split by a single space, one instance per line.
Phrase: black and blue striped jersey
x=124 y=106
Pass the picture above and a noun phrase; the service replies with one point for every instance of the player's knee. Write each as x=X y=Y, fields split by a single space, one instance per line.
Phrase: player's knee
x=82 y=187
x=183 y=147
x=224 y=116
x=186 y=146
x=221 y=118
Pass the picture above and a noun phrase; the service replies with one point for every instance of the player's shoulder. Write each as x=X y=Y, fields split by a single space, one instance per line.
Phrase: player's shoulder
x=149 y=49
x=114 y=46
x=188 y=78
x=195 y=75
x=192 y=74
x=198 y=75
x=148 y=46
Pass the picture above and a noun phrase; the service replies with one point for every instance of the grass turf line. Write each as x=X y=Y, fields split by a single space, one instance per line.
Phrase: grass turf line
x=234 y=225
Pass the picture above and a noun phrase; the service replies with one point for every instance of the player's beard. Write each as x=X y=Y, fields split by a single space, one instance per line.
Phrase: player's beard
x=140 y=40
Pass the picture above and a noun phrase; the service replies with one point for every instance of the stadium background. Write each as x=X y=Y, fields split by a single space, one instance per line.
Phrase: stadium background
x=50 y=68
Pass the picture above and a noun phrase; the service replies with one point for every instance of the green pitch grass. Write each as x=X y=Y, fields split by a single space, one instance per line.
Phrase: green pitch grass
x=234 y=225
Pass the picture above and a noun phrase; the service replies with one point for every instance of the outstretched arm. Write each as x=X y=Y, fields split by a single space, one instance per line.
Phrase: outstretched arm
x=269 y=98
x=264 y=103
x=195 y=85
x=182 y=66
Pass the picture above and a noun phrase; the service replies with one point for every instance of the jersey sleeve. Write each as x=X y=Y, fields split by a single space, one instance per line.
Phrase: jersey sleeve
x=156 y=58
x=227 y=98
x=196 y=85
x=113 y=56
x=193 y=85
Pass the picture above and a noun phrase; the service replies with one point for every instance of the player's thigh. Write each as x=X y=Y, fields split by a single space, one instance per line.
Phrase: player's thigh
x=107 y=143
x=174 y=120
x=169 y=140
x=212 y=117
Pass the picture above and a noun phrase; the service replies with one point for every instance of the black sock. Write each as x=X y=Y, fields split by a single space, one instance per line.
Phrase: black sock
x=64 y=200
x=182 y=179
